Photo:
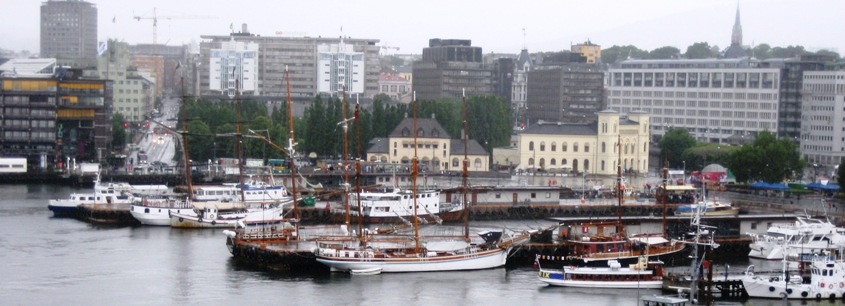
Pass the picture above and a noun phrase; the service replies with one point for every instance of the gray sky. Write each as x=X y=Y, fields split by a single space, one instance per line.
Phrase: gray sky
x=496 y=26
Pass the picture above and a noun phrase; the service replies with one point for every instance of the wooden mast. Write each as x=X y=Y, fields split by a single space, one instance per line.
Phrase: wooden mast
x=665 y=196
x=345 y=156
x=186 y=158
x=619 y=190
x=358 y=168
x=291 y=151
x=414 y=178
x=239 y=138
x=465 y=171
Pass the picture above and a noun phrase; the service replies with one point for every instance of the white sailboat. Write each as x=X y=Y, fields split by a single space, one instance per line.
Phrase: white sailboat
x=412 y=254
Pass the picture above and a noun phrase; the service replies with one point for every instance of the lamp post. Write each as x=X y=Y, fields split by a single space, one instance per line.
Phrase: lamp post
x=684 y=171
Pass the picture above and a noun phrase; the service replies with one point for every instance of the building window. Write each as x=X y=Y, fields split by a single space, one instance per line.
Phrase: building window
x=603 y=147
x=563 y=147
x=554 y=146
x=531 y=146
x=542 y=146
x=575 y=147
x=586 y=147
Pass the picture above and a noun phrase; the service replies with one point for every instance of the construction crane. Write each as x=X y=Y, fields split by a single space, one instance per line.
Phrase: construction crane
x=388 y=47
x=155 y=17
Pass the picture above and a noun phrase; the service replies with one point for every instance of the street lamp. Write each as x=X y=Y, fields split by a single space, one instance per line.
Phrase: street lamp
x=684 y=171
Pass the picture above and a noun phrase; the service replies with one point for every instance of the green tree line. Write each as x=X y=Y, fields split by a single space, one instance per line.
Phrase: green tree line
x=701 y=50
x=212 y=125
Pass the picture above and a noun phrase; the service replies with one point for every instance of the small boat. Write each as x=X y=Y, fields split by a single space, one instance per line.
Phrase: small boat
x=707 y=208
x=663 y=300
x=643 y=274
x=827 y=280
x=370 y=271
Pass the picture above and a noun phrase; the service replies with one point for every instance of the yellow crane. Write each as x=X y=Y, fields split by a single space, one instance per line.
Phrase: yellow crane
x=155 y=17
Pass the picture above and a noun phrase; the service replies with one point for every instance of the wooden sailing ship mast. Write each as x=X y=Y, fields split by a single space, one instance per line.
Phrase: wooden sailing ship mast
x=414 y=178
x=291 y=152
x=619 y=190
x=186 y=158
x=345 y=126
x=465 y=171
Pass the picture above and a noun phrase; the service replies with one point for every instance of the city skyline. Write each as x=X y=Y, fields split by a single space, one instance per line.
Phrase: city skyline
x=494 y=26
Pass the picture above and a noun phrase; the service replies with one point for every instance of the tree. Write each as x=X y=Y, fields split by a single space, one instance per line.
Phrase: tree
x=699 y=50
x=700 y=156
x=768 y=159
x=673 y=145
x=118 y=131
x=840 y=174
x=666 y=52
x=619 y=53
x=762 y=51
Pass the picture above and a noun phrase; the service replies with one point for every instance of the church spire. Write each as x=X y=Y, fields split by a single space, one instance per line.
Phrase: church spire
x=736 y=35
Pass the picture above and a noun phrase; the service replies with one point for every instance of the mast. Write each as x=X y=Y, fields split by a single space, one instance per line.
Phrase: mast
x=239 y=138
x=358 y=168
x=619 y=229
x=345 y=154
x=465 y=172
x=414 y=178
x=664 y=196
x=291 y=151
x=186 y=158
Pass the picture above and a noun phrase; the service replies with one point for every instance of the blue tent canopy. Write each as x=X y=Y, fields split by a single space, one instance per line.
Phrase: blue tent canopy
x=820 y=186
x=764 y=185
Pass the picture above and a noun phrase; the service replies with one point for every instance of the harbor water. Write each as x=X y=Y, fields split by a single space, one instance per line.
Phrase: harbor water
x=52 y=261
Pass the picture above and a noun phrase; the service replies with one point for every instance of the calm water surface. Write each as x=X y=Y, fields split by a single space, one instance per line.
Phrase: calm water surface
x=52 y=261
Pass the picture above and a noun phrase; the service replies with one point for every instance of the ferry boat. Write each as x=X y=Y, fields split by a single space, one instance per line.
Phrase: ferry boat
x=251 y=193
x=157 y=211
x=390 y=204
x=644 y=274
x=592 y=245
x=805 y=235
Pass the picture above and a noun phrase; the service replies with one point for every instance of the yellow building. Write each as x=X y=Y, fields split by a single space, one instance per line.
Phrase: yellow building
x=590 y=148
x=591 y=51
x=436 y=150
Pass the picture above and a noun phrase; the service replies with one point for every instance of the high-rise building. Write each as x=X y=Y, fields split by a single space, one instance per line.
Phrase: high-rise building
x=52 y=117
x=69 y=32
x=714 y=99
x=823 y=126
x=449 y=68
x=339 y=68
x=571 y=93
x=299 y=54
x=234 y=67
x=133 y=93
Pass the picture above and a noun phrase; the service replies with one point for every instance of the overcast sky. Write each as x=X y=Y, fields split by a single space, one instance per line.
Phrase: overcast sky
x=496 y=26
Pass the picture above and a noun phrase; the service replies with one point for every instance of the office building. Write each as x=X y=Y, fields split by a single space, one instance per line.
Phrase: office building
x=823 y=118
x=449 y=68
x=69 y=32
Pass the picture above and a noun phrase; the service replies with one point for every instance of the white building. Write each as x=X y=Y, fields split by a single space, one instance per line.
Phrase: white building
x=338 y=65
x=712 y=98
x=234 y=66
x=823 y=117
x=519 y=88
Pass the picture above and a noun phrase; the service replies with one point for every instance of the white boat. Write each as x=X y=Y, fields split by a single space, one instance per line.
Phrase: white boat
x=805 y=235
x=388 y=204
x=104 y=193
x=707 y=208
x=399 y=257
x=827 y=280
x=371 y=271
x=157 y=211
x=252 y=193
x=663 y=300
x=644 y=274
x=223 y=215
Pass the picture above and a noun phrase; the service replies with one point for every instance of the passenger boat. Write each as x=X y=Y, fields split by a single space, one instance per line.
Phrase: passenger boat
x=827 y=280
x=707 y=208
x=104 y=193
x=805 y=235
x=251 y=193
x=643 y=274
x=391 y=204
x=157 y=211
